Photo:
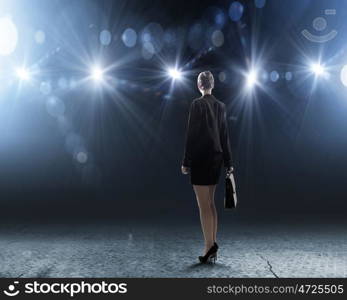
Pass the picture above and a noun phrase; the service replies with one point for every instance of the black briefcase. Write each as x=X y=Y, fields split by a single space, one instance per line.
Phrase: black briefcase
x=230 y=197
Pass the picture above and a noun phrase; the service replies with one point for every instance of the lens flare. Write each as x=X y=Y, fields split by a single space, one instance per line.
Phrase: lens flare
x=97 y=74
x=23 y=74
x=8 y=36
x=251 y=79
x=317 y=69
x=175 y=74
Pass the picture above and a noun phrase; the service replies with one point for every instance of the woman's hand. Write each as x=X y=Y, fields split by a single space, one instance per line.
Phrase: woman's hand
x=185 y=170
x=229 y=170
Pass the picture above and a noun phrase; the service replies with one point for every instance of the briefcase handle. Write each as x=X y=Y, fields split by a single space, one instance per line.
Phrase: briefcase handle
x=229 y=171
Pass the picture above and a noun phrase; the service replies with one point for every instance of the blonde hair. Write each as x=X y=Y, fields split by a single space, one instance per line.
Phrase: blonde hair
x=205 y=80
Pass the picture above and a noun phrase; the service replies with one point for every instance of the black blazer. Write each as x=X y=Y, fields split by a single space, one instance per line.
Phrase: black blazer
x=207 y=132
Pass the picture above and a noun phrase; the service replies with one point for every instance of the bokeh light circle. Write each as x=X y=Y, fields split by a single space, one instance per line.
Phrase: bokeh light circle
x=274 y=76
x=222 y=76
x=343 y=75
x=129 y=37
x=62 y=83
x=55 y=106
x=220 y=19
x=259 y=3
x=8 y=36
x=288 y=76
x=148 y=50
x=215 y=17
x=264 y=76
x=105 y=37
x=82 y=157
x=153 y=34
x=45 y=87
x=40 y=37
x=170 y=37
x=217 y=38
x=236 y=11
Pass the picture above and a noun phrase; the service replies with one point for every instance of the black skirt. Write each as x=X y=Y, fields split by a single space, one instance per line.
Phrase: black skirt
x=206 y=171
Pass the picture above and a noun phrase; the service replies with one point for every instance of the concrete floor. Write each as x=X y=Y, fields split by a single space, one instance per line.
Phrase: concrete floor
x=170 y=249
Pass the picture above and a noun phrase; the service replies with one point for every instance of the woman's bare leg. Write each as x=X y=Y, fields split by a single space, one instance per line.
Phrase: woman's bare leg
x=206 y=216
x=212 y=189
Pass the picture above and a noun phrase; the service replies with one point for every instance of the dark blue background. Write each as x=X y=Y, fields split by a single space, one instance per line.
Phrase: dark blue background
x=289 y=141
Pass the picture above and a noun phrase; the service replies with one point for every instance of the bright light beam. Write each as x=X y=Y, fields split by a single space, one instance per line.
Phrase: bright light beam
x=317 y=69
x=8 y=36
x=251 y=79
x=97 y=73
x=23 y=74
x=174 y=74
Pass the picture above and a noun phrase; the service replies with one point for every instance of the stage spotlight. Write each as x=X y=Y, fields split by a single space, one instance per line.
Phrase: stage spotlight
x=96 y=73
x=317 y=69
x=175 y=74
x=251 y=79
x=23 y=74
x=8 y=36
x=343 y=75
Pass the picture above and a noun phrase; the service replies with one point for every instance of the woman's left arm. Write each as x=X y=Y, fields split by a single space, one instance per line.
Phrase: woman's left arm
x=225 y=141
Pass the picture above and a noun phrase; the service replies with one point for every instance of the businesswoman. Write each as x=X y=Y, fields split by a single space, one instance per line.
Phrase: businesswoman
x=207 y=149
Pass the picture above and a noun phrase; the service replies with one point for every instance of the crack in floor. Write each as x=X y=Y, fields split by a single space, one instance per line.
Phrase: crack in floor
x=270 y=266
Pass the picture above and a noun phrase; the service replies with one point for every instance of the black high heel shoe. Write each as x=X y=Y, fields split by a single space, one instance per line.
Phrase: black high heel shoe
x=211 y=255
